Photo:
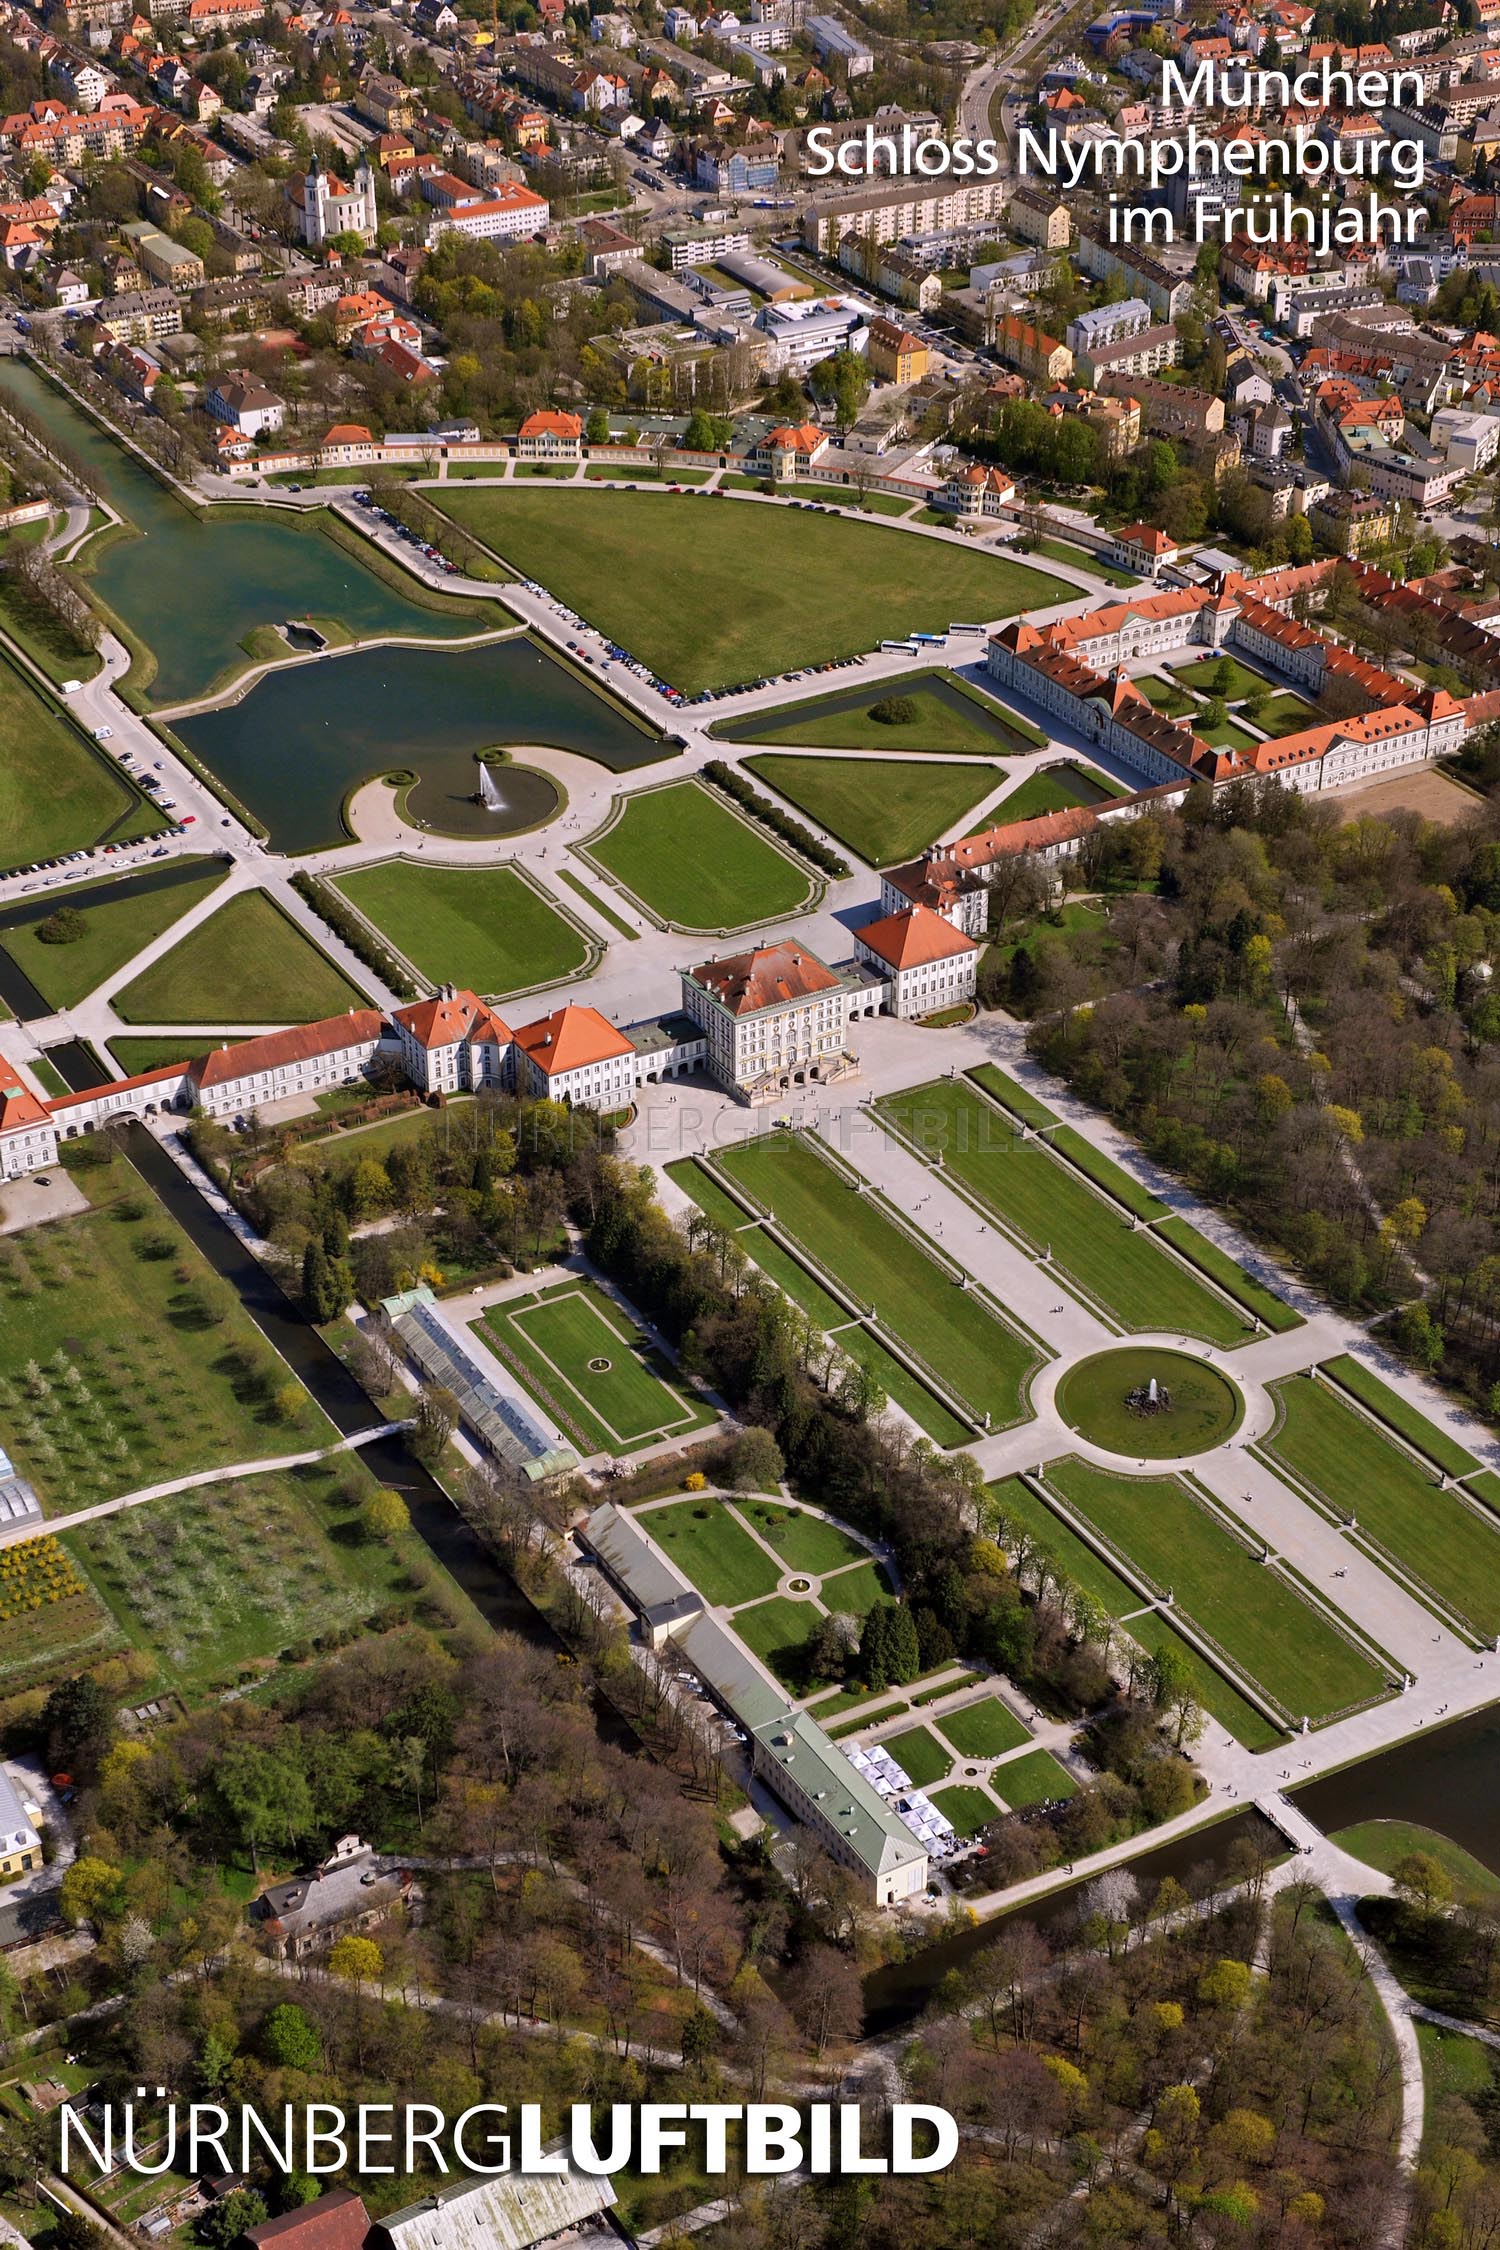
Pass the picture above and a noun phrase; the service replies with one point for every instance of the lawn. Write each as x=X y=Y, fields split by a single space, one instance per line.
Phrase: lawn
x=804 y=1542
x=713 y=596
x=1409 y=1422
x=125 y=1360
x=849 y=1233
x=116 y=929
x=920 y=1756
x=1051 y=791
x=794 y=1281
x=1434 y=1535
x=1200 y=674
x=691 y=859
x=1224 y=735
x=713 y=1551
x=984 y=1729
x=948 y=717
x=1197 y=1407
x=1276 y=1313
x=249 y=963
x=1057 y=1540
x=487 y=928
x=1260 y=1622
x=57 y=792
x=1383 y=1844
x=134 y=1055
x=856 y=1590
x=884 y=810
x=593 y=1366
x=1165 y=696
x=967 y=1809
x=1287 y=714
x=1035 y=1194
x=1059 y=550
x=1032 y=1780
x=1123 y=1186
x=1012 y=1095
x=779 y=1631
x=1454 y=2067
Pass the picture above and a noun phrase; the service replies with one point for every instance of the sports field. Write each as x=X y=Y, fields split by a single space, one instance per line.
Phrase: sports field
x=691 y=859
x=483 y=927
x=713 y=1551
x=594 y=1366
x=850 y=1234
x=1250 y=1612
x=795 y=1281
x=725 y=593
x=1340 y=1453
x=885 y=809
x=983 y=1730
x=1032 y=1780
x=920 y=1756
x=1035 y=1194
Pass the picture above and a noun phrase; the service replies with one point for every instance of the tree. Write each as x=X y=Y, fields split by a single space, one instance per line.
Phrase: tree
x=264 y=1794
x=291 y=2039
x=1171 y=1687
x=436 y=1421
x=844 y=381
x=358 y=1960
x=894 y=711
x=385 y=1515
x=64 y=926
x=1423 y=1880
x=223 y=2223
x=319 y=1296
x=78 y=1723
x=755 y=1463
x=596 y=428
x=88 y=1887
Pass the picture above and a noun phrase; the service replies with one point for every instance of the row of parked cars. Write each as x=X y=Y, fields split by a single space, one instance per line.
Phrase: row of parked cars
x=782 y=679
x=423 y=546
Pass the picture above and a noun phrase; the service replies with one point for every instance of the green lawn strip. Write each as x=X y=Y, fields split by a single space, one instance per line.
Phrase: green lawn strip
x=690 y=858
x=1383 y=1844
x=627 y=473
x=1012 y=1095
x=713 y=1551
x=1287 y=714
x=984 y=1729
x=1407 y=1421
x=1060 y=550
x=1166 y=696
x=57 y=792
x=248 y=963
x=1260 y=1622
x=778 y=1631
x=116 y=929
x=50 y=1079
x=1123 y=1186
x=1053 y=791
x=1485 y=1487
x=900 y=1386
x=1216 y=1695
x=1198 y=674
x=865 y=1719
x=966 y=1808
x=1340 y=1453
x=484 y=927
x=959 y=1681
x=1059 y=1541
x=171 y=1374
x=884 y=811
x=920 y=1304
x=600 y=906
x=1225 y=735
x=1455 y=2067
x=857 y=1589
x=134 y=1055
x=825 y=1707
x=804 y=1542
x=980 y=730
x=1033 y=1192
x=561 y=1335
x=920 y=1756
x=1277 y=1315
x=1032 y=1780
x=769 y=585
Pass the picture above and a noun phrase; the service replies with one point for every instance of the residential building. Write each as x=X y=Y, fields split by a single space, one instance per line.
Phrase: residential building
x=701 y=245
x=1143 y=549
x=164 y=260
x=1106 y=324
x=550 y=436
x=895 y=355
x=833 y=42
x=976 y=491
x=952 y=881
x=895 y=210
x=1352 y=522
x=1170 y=410
x=1046 y=359
x=928 y=964
x=510 y=211
x=335 y=2221
x=1142 y=353
x=726 y=170
x=513 y=2211
x=247 y=406
x=20 y=1845
x=345 y=1893
x=789 y=447
x=1036 y=214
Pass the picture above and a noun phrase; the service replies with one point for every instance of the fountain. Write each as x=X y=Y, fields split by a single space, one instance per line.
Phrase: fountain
x=488 y=793
x=1150 y=1397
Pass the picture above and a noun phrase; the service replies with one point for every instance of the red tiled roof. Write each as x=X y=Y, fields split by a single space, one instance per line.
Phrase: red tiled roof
x=303 y=1042
x=19 y=1106
x=914 y=936
x=118 y=1086
x=336 y=2221
x=765 y=977
x=451 y=1016
x=570 y=1038
x=548 y=423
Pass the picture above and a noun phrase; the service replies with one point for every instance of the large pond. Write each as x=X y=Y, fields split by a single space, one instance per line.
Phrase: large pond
x=295 y=746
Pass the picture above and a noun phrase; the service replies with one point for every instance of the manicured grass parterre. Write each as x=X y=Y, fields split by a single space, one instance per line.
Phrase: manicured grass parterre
x=779 y=1631
x=1123 y=1186
x=593 y=1367
x=124 y=1360
x=1407 y=1421
x=884 y=810
x=856 y=1590
x=134 y=1055
x=854 y=1238
x=1032 y=1780
x=920 y=1755
x=57 y=792
x=804 y=1542
x=767 y=588
x=983 y=1730
x=1012 y=1095
x=1200 y=672
x=116 y=929
x=947 y=716
x=1224 y=734
x=1383 y=1844
x=1017 y=1504
x=1036 y=1194
x=484 y=927
x=1276 y=1314
x=1201 y=1408
x=966 y=1808
x=1261 y=1623
x=248 y=963
x=1052 y=791
x=1166 y=696
x=713 y=1551
x=1287 y=714
x=1442 y=1542
x=691 y=859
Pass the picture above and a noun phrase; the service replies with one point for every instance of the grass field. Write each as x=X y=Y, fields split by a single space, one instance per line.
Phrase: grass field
x=1225 y=735
x=1106 y=1173
x=117 y=928
x=852 y=1236
x=124 y=1360
x=967 y=1808
x=134 y=1055
x=714 y=1552
x=983 y=1730
x=778 y=1631
x=1035 y=1194
x=248 y=963
x=1062 y=1545
x=57 y=792
x=1250 y=1612
x=594 y=1366
x=1052 y=791
x=856 y=1590
x=690 y=858
x=1061 y=550
x=1383 y=1844
x=1408 y=1422
x=769 y=586
x=1287 y=714
x=484 y=927
x=947 y=718
x=1012 y=1095
x=1276 y=1313
x=1166 y=696
x=1198 y=675
x=1201 y=1409
x=1455 y=2067
x=1339 y=1452
x=804 y=1542
x=885 y=810
x=1032 y=1780
x=920 y=1756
